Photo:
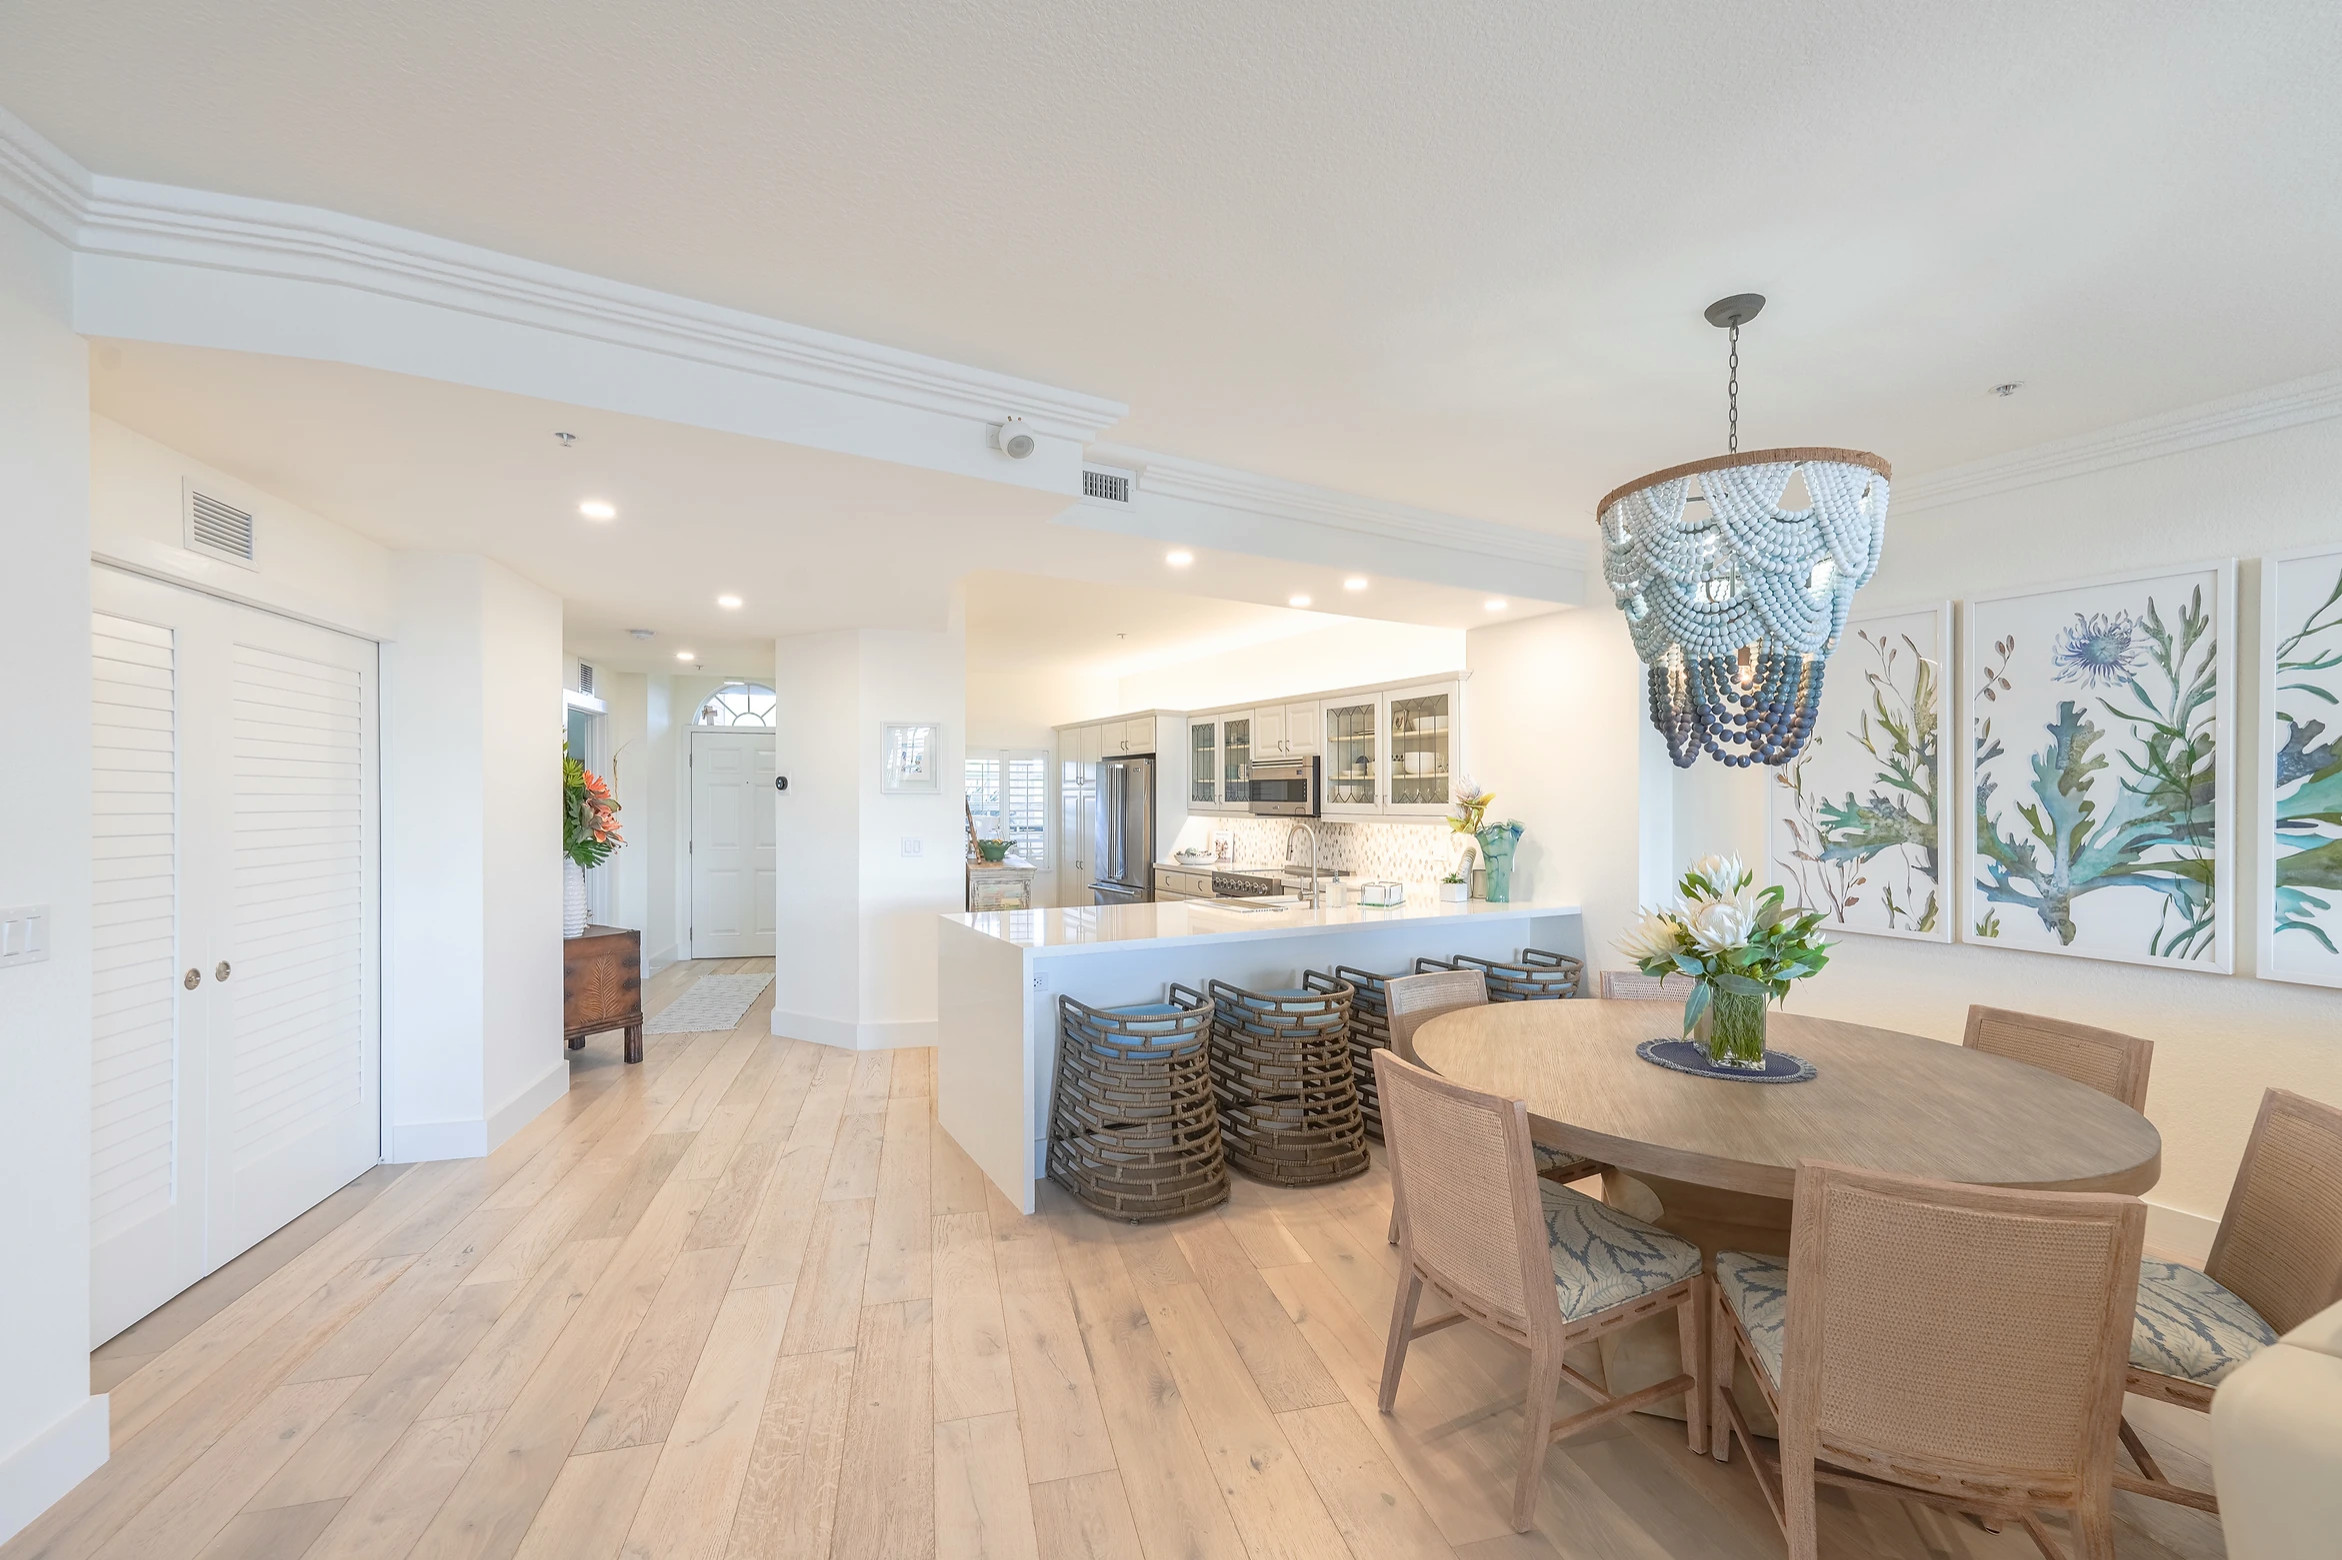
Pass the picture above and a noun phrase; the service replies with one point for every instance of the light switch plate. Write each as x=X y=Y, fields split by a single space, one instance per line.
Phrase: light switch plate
x=913 y=845
x=24 y=935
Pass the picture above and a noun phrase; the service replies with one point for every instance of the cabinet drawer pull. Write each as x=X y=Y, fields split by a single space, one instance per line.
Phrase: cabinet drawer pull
x=222 y=972
x=192 y=979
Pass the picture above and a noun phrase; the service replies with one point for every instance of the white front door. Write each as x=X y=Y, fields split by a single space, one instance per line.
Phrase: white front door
x=235 y=1045
x=733 y=817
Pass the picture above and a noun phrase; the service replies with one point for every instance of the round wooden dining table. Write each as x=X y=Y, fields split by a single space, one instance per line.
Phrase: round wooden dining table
x=1715 y=1161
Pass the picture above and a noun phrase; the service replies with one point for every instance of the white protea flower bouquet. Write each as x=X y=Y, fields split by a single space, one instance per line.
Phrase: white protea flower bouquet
x=1739 y=945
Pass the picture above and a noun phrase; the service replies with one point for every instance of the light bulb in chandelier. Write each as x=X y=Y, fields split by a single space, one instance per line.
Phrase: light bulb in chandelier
x=1734 y=591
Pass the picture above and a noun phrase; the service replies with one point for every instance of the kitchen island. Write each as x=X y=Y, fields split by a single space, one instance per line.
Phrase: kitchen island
x=1001 y=973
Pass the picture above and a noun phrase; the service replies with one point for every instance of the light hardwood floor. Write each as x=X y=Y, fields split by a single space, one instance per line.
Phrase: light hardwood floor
x=747 y=1300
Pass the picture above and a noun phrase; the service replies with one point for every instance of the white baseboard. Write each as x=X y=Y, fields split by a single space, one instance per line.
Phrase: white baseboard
x=525 y=1106
x=416 y=1142
x=652 y=964
x=39 y=1473
x=2179 y=1235
x=849 y=1036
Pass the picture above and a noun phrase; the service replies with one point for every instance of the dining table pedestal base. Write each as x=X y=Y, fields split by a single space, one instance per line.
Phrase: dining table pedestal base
x=1713 y=1220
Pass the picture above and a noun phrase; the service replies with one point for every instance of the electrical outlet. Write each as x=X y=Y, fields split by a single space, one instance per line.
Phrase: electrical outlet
x=1040 y=979
x=24 y=935
x=913 y=845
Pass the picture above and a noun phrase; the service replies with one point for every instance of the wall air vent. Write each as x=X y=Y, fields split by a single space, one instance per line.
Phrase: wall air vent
x=585 y=678
x=1112 y=486
x=220 y=529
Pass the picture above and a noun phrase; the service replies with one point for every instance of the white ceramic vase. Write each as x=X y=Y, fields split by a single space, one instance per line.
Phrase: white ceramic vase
x=573 y=899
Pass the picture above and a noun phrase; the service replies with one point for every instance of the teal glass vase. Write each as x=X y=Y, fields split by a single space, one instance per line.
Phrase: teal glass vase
x=1496 y=856
x=1733 y=1029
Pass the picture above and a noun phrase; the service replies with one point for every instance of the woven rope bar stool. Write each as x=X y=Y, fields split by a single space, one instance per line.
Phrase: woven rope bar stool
x=1537 y=976
x=1370 y=1030
x=1281 y=1074
x=1133 y=1131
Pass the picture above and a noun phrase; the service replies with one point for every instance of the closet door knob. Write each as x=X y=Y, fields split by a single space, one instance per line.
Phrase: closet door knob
x=192 y=979
x=222 y=972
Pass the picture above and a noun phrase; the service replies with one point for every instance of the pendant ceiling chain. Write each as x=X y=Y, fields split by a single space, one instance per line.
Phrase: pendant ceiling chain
x=1732 y=395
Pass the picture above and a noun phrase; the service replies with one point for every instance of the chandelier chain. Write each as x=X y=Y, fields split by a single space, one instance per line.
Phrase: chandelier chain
x=1732 y=395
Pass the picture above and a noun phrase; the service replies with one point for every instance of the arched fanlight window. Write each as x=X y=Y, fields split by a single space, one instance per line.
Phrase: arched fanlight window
x=738 y=704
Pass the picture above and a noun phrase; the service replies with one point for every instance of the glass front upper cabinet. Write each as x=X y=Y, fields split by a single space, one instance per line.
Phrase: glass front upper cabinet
x=1203 y=765
x=1236 y=759
x=1350 y=769
x=1421 y=732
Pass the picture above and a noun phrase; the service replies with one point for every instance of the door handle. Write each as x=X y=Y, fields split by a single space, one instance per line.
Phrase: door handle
x=192 y=979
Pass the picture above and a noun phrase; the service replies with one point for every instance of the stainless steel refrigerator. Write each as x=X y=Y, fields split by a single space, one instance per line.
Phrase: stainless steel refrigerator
x=1126 y=832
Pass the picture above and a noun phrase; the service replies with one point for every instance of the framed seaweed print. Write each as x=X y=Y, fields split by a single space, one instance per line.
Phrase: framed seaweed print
x=2101 y=768
x=1852 y=822
x=2300 y=834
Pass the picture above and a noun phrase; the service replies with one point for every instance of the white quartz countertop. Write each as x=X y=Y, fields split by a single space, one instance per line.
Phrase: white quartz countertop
x=1096 y=928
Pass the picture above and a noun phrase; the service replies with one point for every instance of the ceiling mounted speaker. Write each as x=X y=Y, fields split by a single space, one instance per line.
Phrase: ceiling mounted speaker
x=1012 y=438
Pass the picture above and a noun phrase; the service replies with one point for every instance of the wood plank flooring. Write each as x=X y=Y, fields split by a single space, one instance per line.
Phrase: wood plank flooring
x=747 y=1300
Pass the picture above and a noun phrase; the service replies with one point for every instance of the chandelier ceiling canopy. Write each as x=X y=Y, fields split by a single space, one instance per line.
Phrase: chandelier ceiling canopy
x=1736 y=574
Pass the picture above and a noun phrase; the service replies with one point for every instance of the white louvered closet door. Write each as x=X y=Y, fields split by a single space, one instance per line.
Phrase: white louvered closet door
x=234 y=1056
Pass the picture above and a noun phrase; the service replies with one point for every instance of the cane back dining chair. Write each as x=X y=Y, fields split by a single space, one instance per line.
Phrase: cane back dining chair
x=1410 y=1002
x=2275 y=1263
x=1635 y=986
x=1961 y=1346
x=2113 y=1064
x=1538 y=1264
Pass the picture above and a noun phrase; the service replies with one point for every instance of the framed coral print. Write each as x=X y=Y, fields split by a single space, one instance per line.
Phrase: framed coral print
x=910 y=752
x=2300 y=834
x=1856 y=822
x=2101 y=768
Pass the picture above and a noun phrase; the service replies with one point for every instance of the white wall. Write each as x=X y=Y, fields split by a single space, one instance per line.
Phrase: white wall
x=52 y=1431
x=2219 y=1040
x=309 y=567
x=1343 y=655
x=856 y=916
x=471 y=850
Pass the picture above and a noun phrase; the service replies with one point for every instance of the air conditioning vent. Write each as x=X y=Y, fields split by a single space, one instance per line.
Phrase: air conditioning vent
x=1112 y=486
x=220 y=529
x=585 y=678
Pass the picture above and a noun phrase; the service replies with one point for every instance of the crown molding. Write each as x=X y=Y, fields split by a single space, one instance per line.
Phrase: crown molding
x=96 y=214
x=1248 y=493
x=2288 y=405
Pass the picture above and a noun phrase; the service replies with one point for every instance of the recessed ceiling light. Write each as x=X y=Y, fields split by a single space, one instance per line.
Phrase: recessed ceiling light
x=1494 y=604
x=1179 y=557
x=598 y=509
x=1296 y=601
x=728 y=603
x=685 y=655
x=1354 y=582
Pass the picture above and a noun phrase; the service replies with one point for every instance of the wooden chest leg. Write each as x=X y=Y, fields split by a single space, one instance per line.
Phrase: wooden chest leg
x=577 y=1042
x=634 y=1042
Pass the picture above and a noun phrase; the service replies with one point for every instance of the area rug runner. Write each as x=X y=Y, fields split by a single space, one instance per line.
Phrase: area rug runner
x=709 y=1003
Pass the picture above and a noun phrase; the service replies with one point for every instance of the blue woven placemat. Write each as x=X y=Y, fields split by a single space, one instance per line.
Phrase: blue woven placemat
x=1689 y=1056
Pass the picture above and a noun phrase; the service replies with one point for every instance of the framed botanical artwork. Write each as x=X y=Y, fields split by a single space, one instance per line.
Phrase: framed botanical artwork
x=2300 y=834
x=2101 y=768
x=910 y=754
x=1855 y=823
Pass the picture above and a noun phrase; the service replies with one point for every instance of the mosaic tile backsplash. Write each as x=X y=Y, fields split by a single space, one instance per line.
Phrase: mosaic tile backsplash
x=1409 y=852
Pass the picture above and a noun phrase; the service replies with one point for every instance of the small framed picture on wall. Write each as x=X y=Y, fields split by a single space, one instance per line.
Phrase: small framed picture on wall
x=910 y=758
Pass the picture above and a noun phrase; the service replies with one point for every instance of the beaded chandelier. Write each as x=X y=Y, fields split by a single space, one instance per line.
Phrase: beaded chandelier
x=1735 y=602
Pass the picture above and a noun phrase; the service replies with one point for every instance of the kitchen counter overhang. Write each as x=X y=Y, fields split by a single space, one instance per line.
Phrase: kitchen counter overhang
x=1000 y=974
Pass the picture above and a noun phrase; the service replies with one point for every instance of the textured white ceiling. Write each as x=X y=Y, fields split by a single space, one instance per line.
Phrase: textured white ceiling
x=1451 y=255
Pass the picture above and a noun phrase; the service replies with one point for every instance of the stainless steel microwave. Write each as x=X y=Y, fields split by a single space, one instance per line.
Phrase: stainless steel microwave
x=1285 y=787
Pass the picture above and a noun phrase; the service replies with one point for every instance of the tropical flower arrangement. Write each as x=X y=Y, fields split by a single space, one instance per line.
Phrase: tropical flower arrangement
x=1471 y=806
x=1741 y=947
x=589 y=815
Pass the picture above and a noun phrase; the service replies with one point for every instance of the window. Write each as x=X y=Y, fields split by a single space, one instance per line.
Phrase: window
x=1008 y=799
x=738 y=704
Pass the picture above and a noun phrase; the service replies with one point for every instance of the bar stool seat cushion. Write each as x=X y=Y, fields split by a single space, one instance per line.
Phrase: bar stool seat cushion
x=1757 y=1290
x=1602 y=1257
x=2190 y=1327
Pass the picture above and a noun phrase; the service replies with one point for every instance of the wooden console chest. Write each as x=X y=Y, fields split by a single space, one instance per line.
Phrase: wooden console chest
x=601 y=986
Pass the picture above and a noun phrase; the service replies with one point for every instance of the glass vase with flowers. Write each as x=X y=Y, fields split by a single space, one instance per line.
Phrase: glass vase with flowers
x=1741 y=947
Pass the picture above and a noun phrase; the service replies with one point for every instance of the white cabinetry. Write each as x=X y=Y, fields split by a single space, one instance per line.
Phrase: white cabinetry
x=1421 y=728
x=1389 y=752
x=1351 y=764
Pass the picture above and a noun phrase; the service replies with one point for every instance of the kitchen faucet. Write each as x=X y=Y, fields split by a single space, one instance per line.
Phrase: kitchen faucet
x=1316 y=889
